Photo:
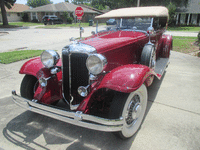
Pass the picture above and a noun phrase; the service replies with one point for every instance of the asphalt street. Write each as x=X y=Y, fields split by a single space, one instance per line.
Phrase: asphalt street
x=172 y=120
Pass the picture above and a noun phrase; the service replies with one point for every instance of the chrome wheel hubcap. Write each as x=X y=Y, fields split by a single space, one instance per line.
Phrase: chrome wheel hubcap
x=133 y=111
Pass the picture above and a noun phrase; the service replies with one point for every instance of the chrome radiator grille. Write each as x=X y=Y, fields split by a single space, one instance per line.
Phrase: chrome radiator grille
x=75 y=74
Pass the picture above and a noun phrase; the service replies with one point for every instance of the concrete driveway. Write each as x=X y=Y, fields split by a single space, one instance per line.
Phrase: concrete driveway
x=33 y=38
x=172 y=119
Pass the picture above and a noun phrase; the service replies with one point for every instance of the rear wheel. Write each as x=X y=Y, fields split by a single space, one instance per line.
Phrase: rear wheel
x=28 y=86
x=132 y=107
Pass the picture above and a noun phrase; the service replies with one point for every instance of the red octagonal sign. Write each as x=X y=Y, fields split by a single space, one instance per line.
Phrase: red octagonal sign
x=79 y=12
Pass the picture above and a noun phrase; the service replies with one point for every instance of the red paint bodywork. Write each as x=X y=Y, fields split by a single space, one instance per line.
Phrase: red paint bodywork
x=122 y=50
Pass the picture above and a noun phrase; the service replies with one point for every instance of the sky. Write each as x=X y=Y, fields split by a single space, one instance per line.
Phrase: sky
x=54 y=1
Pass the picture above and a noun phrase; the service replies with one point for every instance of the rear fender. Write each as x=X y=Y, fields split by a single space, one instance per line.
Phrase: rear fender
x=167 y=45
x=128 y=78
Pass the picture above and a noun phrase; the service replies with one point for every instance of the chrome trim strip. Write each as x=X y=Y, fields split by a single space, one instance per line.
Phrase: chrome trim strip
x=75 y=118
x=66 y=48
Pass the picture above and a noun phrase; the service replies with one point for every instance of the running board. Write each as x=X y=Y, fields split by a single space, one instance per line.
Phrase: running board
x=161 y=65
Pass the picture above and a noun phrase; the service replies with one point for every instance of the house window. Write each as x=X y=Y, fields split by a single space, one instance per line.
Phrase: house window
x=182 y=19
x=194 y=19
x=34 y=16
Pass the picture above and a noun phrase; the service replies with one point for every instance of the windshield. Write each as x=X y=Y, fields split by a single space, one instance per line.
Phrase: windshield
x=131 y=24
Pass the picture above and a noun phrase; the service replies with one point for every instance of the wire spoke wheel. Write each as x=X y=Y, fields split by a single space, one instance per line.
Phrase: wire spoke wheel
x=132 y=107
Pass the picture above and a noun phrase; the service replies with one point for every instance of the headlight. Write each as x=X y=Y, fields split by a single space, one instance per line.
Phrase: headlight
x=49 y=58
x=96 y=63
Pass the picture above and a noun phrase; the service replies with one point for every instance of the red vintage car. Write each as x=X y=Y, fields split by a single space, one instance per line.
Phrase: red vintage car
x=103 y=79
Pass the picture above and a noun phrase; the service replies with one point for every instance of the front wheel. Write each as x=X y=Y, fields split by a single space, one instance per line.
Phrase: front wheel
x=132 y=107
x=28 y=86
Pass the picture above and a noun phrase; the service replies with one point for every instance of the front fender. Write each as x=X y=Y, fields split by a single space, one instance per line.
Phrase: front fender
x=33 y=66
x=126 y=78
x=53 y=91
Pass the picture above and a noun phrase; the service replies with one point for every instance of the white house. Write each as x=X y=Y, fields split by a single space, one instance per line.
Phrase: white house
x=15 y=13
x=189 y=15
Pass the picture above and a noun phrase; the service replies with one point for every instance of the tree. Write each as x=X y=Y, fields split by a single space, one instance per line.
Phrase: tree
x=8 y=4
x=172 y=9
x=67 y=1
x=37 y=3
x=114 y=4
x=81 y=1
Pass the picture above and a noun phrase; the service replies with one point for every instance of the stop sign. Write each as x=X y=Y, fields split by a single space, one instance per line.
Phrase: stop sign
x=79 y=12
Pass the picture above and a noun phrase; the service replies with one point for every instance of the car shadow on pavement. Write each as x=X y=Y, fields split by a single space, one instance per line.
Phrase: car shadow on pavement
x=30 y=131
x=152 y=91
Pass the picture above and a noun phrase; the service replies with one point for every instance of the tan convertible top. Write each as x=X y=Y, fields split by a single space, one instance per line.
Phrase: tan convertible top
x=151 y=11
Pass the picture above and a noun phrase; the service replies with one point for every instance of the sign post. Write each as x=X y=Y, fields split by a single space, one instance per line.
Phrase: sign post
x=79 y=13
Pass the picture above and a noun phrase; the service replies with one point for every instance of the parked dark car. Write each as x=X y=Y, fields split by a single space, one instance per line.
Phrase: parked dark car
x=111 y=22
x=51 y=19
x=102 y=79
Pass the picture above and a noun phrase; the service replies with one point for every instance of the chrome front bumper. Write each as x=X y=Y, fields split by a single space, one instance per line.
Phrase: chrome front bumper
x=75 y=118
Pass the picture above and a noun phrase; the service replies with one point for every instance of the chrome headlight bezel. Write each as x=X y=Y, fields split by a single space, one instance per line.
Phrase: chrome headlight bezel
x=96 y=63
x=49 y=58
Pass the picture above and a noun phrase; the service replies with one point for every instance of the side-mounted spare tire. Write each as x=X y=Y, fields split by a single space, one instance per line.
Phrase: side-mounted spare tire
x=148 y=56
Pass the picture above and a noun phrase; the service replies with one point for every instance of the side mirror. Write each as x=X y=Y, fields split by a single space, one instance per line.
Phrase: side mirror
x=108 y=28
x=134 y=28
x=150 y=30
x=93 y=32
x=81 y=29
x=72 y=39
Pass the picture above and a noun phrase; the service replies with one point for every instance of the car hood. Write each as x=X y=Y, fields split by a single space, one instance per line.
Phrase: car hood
x=109 y=40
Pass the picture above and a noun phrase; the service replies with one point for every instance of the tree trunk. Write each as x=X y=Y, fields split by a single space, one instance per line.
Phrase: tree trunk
x=3 y=12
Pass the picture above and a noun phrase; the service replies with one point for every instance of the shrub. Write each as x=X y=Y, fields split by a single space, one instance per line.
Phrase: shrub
x=34 y=21
x=25 y=17
x=198 y=36
x=69 y=20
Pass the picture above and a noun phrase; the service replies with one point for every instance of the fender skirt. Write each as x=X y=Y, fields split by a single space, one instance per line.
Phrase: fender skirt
x=127 y=78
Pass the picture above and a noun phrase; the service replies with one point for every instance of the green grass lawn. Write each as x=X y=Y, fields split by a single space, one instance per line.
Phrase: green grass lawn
x=9 y=57
x=185 y=44
x=189 y=29
x=19 y=24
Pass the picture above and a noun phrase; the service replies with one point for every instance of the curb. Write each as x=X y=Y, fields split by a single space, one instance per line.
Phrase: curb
x=3 y=33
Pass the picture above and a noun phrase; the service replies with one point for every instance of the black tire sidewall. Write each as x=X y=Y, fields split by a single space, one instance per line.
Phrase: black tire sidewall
x=27 y=86
x=146 y=55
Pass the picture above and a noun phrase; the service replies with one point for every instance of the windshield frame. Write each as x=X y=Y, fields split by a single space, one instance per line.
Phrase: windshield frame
x=119 y=25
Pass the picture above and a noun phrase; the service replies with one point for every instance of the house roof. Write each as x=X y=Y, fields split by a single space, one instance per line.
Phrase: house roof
x=151 y=11
x=193 y=7
x=18 y=8
x=60 y=7
x=92 y=8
